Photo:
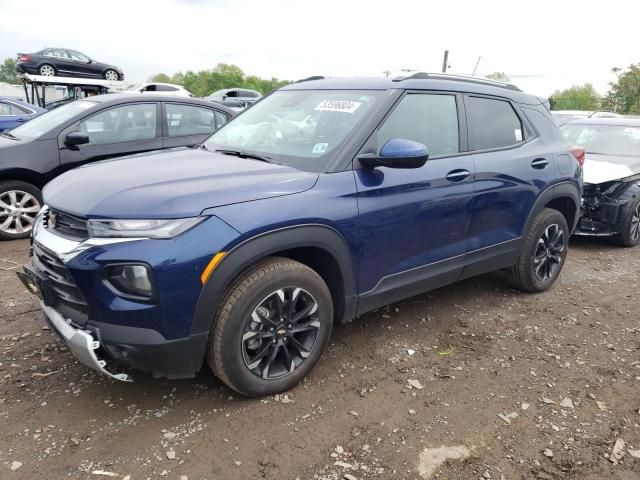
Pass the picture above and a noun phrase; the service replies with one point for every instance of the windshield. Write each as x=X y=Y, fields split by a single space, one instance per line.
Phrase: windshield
x=42 y=124
x=299 y=128
x=622 y=140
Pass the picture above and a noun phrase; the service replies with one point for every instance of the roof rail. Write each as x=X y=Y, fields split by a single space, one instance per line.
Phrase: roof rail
x=458 y=78
x=308 y=79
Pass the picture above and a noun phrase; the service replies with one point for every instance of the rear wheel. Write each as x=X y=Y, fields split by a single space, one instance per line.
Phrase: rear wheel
x=543 y=253
x=111 y=75
x=271 y=328
x=20 y=202
x=629 y=229
x=47 y=70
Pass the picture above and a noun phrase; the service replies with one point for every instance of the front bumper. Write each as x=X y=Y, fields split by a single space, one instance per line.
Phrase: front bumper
x=80 y=342
x=106 y=331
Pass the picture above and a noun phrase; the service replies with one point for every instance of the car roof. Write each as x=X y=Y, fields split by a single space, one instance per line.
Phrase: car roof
x=162 y=83
x=117 y=98
x=622 y=122
x=419 y=81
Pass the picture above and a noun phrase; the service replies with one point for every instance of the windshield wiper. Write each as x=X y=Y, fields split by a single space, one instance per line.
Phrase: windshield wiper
x=9 y=135
x=243 y=154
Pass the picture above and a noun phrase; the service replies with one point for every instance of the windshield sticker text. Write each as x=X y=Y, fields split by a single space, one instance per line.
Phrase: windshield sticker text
x=344 y=106
x=320 y=148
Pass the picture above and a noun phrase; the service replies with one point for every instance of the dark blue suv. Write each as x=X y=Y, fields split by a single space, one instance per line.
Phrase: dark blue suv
x=325 y=200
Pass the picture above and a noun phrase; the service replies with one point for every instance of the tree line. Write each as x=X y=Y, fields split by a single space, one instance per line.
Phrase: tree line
x=224 y=75
x=623 y=95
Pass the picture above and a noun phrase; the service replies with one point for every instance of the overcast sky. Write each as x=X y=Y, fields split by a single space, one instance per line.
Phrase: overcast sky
x=543 y=45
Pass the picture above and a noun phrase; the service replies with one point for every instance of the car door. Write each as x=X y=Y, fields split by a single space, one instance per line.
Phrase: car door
x=81 y=63
x=512 y=167
x=114 y=131
x=62 y=62
x=413 y=223
x=188 y=125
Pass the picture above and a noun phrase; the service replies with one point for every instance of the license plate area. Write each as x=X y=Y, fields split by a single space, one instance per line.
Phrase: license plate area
x=37 y=285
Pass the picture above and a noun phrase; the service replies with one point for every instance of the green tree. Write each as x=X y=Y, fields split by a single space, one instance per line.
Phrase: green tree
x=223 y=75
x=8 y=71
x=498 y=77
x=577 y=97
x=624 y=94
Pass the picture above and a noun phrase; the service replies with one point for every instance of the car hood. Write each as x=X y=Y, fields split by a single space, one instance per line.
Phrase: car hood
x=170 y=184
x=605 y=168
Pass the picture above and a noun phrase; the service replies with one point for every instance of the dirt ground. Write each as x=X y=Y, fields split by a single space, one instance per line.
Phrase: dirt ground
x=562 y=369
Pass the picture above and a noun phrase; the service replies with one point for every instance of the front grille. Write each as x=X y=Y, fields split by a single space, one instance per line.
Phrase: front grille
x=70 y=301
x=65 y=225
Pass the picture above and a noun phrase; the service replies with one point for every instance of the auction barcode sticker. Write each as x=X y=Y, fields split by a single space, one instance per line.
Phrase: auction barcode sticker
x=344 y=106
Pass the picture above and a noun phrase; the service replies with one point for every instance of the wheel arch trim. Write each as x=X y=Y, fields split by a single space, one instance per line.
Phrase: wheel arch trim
x=252 y=250
x=568 y=190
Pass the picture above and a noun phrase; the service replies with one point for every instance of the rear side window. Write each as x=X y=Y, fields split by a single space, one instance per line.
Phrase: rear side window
x=165 y=88
x=221 y=118
x=429 y=119
x=189 y=120
x=492 y=124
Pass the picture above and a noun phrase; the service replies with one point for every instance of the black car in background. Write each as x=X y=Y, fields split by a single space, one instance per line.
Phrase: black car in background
x=94 y=128
x=64 y=62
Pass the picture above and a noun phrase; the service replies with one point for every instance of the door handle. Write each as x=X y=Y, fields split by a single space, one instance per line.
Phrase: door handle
x=540 y=163
x=457 y=175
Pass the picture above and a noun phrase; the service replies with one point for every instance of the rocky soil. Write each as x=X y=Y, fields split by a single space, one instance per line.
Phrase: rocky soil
x=472 y=381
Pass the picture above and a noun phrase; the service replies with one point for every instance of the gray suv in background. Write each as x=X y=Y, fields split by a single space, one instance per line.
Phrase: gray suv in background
x=236 y=98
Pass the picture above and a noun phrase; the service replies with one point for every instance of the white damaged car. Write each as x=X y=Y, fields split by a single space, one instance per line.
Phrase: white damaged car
x=611 y=197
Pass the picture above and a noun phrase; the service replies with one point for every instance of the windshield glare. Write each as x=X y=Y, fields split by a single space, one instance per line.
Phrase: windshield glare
x=299 y=128
x=43 y=123
x=619 y=140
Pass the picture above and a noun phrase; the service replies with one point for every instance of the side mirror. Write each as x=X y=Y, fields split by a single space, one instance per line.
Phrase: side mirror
x=397 y=153
x=74 y=139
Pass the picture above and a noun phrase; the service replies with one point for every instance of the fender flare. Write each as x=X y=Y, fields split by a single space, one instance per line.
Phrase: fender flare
x=248 y=252
x=559 y=190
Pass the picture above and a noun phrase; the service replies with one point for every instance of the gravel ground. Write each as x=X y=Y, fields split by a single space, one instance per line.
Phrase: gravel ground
x=471 y=381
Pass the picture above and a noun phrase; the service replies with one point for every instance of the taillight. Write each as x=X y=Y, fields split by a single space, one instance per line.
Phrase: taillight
x=25 y=58
x=578 y=152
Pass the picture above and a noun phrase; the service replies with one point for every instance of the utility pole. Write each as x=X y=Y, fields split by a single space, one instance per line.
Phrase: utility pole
x=476 y=67
x=386 y=72
x=445 y=61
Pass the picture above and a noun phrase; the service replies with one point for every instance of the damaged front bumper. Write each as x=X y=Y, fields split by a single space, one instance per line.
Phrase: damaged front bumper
x=81 y=343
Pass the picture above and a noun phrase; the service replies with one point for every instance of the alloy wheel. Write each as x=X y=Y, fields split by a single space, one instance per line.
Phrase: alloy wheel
x=549 y=252
x=634 y=232
x=47 y=71
x=111 y=75
x=281 y=333
x=18 y=211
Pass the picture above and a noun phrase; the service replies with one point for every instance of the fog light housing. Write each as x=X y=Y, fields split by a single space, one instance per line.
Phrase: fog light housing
x=131 y=280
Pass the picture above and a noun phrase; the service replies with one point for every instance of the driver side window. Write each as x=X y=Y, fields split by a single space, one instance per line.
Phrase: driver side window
x=430 y=119
x=127 y=123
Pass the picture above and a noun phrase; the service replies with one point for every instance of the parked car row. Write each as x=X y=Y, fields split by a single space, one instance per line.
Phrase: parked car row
x=325 y=200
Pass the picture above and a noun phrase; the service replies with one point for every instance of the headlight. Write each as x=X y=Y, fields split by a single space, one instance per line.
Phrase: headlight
x=142 y=228
x=130 y=280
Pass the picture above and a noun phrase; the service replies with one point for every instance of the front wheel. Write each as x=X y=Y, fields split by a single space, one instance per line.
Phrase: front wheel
x=20 y=202
x=111 y=75
x=543 y=253
x=271 y=328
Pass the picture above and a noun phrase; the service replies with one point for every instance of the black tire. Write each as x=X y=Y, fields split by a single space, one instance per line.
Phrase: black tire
x=32 y=198
x=629 y=227
x=246 y=326
x=45 y=70
x=539 y=265
x=113 y=73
